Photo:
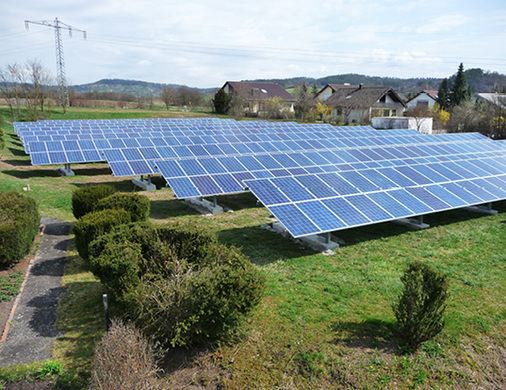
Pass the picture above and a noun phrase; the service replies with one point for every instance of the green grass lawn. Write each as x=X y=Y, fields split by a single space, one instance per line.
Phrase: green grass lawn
x=325 y=321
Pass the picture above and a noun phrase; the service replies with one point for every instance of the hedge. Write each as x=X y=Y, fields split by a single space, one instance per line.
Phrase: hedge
x=85 y=199
x=19 y=224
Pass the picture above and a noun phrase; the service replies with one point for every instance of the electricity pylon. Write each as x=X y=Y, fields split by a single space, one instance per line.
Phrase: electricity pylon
x=63 y=95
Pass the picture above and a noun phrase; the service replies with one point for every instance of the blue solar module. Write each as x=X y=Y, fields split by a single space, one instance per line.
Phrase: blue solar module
x=321 y=215
x=206 y=185
x=121 y=168
x=192 y=167
x=394 y=207
x=316 y=186
x=374 y=212
x=294 y=220
x=346 y=212
x=429 y=199
x=416 y=206
x=293 y=189
x=228 y=183
x=184 y=188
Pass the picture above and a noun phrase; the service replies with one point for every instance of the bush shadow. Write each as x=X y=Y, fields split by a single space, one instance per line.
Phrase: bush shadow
x=370 y=334
x=43 y=320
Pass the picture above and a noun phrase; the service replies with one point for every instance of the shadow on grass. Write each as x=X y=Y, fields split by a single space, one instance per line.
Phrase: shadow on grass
x=263 y=246
x=388 y=229
x=28 y=174
x=369 y=334
x=164 y=209
x=17 y=152
x=237 y=202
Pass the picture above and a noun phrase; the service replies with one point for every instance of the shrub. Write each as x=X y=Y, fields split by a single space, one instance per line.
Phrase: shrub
x=95 y=224
x=117 y=267
x=197 y=305
x=188 y=241
x=420 y=307
x=19 y=224
x=137 y=205
x=125 y=360
x=86 y=198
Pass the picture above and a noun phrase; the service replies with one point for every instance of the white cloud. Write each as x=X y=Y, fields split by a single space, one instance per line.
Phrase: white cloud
x=202 y=43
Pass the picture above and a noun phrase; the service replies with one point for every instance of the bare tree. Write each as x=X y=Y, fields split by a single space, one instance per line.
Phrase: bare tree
x=169 y=96
x=12 y=86
x=40 y=81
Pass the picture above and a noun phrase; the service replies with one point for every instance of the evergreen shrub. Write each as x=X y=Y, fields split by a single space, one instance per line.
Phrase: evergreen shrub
x=137 y=205
x=420 y=307
x=19 y=224
x=175 y=282
x=85 y=199
x=92 y=225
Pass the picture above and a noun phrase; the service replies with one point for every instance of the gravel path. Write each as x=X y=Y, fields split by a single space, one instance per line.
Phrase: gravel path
x=32 y=330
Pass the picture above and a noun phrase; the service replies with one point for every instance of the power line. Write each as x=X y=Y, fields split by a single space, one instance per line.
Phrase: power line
x=60 y=62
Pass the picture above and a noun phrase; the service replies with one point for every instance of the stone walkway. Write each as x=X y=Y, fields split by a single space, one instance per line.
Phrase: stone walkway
x=32 y=330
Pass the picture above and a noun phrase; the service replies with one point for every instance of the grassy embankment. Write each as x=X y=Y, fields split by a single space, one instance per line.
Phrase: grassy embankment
x=326 y=321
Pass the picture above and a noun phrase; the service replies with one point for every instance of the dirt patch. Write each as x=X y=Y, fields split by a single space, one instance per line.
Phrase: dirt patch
x=45 y=384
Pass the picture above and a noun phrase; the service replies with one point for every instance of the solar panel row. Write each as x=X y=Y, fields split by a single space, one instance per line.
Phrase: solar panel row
x=313 y=178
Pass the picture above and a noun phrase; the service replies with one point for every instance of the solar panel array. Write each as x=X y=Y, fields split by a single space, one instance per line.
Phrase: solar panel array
x=313 y=178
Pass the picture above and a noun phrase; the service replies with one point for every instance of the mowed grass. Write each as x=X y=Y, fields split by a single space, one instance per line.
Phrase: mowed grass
x=325 y=321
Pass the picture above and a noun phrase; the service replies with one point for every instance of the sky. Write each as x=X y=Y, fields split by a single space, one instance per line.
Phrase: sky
x=206 y=43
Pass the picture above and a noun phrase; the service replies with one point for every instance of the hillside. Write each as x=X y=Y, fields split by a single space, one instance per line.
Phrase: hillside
x=134 y=87
x=481 y=81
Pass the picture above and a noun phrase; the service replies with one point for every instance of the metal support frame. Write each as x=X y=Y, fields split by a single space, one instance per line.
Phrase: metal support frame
x=66 y=171
x=482 y=208
x=201 y=203
x=143 y=183
x=414 y=223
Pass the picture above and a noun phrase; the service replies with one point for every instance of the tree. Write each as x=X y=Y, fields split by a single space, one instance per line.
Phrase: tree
x=441 y=116
x=40 y=79
x=273 y=107
x=420 y=114
x=461 y=92
x=169 y=96
x=304 y=101
x=323 y=110
x=443 y=94
x=12 y=84
x=189 y=96
x=221 y=102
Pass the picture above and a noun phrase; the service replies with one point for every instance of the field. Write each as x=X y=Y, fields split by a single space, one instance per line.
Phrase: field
x=325 y=321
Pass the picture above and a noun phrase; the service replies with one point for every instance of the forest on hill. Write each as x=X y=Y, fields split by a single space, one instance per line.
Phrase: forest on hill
x=480 y=81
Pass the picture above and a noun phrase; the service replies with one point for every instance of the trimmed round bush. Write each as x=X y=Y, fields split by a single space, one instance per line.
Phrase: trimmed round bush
x=19 y=224
x=187 y=240
x=94 y=224
x=137 y=205
x=85 y=199
x=117 y=267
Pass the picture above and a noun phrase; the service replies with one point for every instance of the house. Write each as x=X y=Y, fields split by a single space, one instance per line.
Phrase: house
x=331 y=89
x=423 y=99
x=494 y=98
x=255 y=95
x=361 y=103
